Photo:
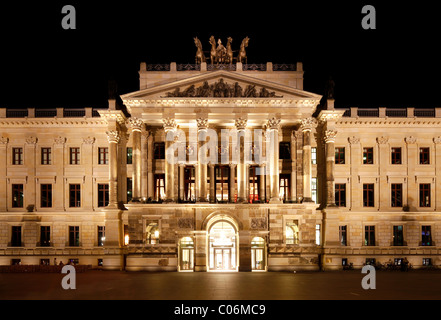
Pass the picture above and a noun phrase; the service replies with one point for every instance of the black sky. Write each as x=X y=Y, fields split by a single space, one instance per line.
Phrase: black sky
x=43 y=65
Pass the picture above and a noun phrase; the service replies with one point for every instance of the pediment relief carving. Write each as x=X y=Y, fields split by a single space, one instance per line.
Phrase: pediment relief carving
x=222 y=89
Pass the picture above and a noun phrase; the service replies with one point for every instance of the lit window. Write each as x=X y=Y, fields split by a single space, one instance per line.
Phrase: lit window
x=314 y=189
x=317 y=234
x=292 y=232
x=152 y=233
x=313 y=155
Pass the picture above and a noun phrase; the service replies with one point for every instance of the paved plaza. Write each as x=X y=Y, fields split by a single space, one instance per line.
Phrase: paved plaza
x=114 y=285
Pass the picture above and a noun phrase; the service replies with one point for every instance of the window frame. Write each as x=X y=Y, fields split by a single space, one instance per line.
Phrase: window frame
x=396 y=155
x=103 y=155
x=423 y=192
x=17 y=156
x=77 y=195
x=74 y=155
x=340 y=154
x=46 y=195
x=45 y=156
x=367 y=199
x=369 y=235
x=394 y=201
x=425 y=154
x=365 y=156
x=15 y=188
x=338 y=192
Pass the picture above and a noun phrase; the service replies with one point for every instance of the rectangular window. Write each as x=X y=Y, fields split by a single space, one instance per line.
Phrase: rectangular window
x=74 y=195
x=103 y=155
x=427 y=262
x=189 y=184
x=398 y=236
x=46 y=155
x=74 y=156
x=17 y=196
x=129 y=189
x=396 y=155
x=46 y=196
x=16 y=236
x=292 y=232
x=254 y=183
x=129 y=156
x=17 y=156
x=340 y=194
x=284 y=180
x=426 y=236
x=424 y=155
x=313 y=155
x=368 y=155
x=159 y=150
x=368 y=195
x=369 y=235
x=318 y=234
x=314 y=189
x=159 y=187
x=425 y=195
x=340 y=155
x=285 y=150
x=101 y=235
x=103 y=194
x=396 y=195
x=45 y=236
x=74 y=236
x=342 y=230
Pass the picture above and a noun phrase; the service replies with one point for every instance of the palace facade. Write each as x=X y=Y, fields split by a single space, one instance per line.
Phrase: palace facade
x=229 y=167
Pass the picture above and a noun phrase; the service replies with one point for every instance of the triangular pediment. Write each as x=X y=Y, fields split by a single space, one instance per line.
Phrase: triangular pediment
x=220 y=84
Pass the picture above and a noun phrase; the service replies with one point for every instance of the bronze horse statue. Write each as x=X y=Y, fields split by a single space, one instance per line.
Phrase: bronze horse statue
x=213 y=52
x=200 y=57
x=229 y=55
x=242 y=56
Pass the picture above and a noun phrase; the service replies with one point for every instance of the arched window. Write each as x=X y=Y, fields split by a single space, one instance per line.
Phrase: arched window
x=152 y=233
x=292 y=232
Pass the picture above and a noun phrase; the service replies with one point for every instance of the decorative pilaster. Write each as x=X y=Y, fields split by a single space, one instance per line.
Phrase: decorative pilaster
x=306 y=128
x=272 y=156
x=241 y=124
x=113 y=138
x=330 y=164
x=136 y=125
x=169 y=127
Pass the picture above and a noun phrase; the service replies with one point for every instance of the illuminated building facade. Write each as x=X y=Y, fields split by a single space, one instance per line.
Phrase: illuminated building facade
x=228 y=167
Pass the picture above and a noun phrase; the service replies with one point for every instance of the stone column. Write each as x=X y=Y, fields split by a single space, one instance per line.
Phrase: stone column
x=113 y=138
x=202 y=124
x=144 y=166
x=150 y=174
x=136 y=125
x=241 y=168
x=262 y=183
x=293 y=196
x=307 y=168
x=330 y=164
x=437 y=158
x=181 y=181
x=244 y=250
x=272 y=155
x=3 y=170
x=169 y=127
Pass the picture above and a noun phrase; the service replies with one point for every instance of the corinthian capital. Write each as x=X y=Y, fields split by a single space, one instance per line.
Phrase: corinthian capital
x=169 y=124
x=202 y=123
x=136 y=124
x=112 y=136
x=273 y=123
x=330 y=136
x=241 y=123
x=307 y=124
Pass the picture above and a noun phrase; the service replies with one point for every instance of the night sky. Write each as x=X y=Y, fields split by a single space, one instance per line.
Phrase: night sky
x=43 y=65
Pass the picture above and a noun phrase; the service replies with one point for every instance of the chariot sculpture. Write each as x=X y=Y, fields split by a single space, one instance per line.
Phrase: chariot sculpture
x=219 y=54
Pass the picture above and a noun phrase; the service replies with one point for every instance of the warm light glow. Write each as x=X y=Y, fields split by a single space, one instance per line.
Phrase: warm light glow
x=126 y=239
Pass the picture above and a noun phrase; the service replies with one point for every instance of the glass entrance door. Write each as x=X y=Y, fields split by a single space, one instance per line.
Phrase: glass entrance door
x=222 y=259
x=258 y=261
x=222 y=247
x=186 y=254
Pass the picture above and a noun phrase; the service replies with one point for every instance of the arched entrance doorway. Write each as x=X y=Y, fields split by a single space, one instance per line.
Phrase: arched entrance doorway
x=186 y=254
x=222 y=246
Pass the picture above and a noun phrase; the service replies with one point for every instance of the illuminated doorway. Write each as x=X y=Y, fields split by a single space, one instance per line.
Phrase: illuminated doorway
x=258 y=256
x=186 y=254
x=222 y=243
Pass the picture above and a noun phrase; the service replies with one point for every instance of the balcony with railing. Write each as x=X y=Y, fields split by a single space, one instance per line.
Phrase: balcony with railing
x=392 y=112
x=50 y=112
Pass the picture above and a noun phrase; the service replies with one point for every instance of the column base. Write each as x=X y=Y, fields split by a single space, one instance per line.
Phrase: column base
x=275 y=200
x=135 y=200
x=307 y=200
x=168 y=201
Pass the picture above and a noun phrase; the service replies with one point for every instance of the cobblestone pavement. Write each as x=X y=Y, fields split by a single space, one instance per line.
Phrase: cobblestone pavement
x=114 y=285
